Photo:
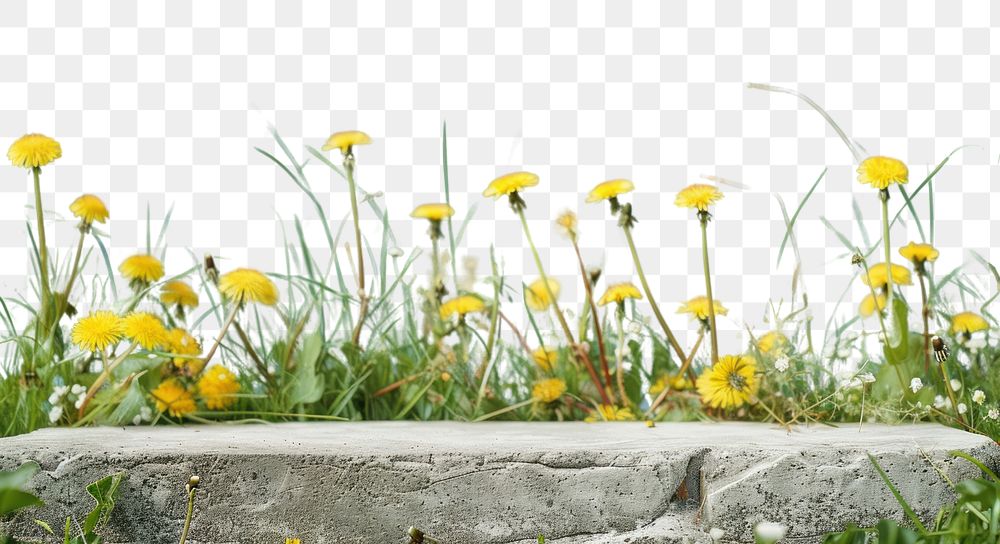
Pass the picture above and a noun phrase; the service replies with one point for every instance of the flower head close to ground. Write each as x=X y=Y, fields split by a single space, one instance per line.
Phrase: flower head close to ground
x=433 y=212
x=549 y=390
x=346 y=140
x=536 y=296
x=698 y=307
x=145 y=329
x=461 y=306
x=881 y=172
x=173 y=398
x=619 y=293
x=772 y=342
x=33 y=151
x=678 y=383
x=178 y=293
x=141 y=270
x=218 y=387
x=919 y=253
x=248 y=285
x=870 y=304
x=698 y=196
x=98 y=331
x=545 y=358
x=89 y=209
x=968 y=323
x=510 y=183
x=877 y=276
x=729 y=383
x=608 y=412
x=186 y=350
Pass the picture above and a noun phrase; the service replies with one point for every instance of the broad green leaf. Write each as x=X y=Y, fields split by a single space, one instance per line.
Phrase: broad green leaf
x=105 y=492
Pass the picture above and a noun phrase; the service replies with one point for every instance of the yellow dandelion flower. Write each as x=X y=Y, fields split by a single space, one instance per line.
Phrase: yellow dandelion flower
x=729 y=383
x=218 y=387
x=549 y=390
x=141 y=269
x=172 y=397
x=610 y=189
x=968 y=323
x=545 y=358
x=292 y=541
x=618 y=293
x=33 y=151
x=89 y=208
x=178 y=293
x=445 y=376
x=606 y=412
x=698 y=307
x=145 y=329
x=698 y=196
x=772 y=342
x=869 y=304
x=186 y=350
x=679 y=383
x=98 y=331
x=462 y=305
x=509 y=183
x=346 y=140
x=881 y=172
x=537 y=297
x=919 y=253
x=567 y=223
x=877 y=276
x=433 y=212
x=248 y=285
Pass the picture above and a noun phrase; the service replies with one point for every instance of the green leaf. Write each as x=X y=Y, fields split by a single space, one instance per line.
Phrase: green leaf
x=898 y=345
x=12 y=500
x=889 y=532
x=131 y=403
x=15 y=479
x=899 y=498
x=105 y=492
x=307 y=386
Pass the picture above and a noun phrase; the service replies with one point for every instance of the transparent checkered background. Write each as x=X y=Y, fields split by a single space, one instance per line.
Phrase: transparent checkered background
x=160 y=104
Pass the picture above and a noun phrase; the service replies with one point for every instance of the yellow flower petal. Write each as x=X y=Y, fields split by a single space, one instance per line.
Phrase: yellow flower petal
x=968 y=323
x=918 y=253
x=881 y=172
x=508 y=183
x=98 y=331
x=248 y=285
x=545 y=358
x=218 y=387
x=178 y=293
x=619 y=292
x=549 y=390
x=145 y=329
x=461 y=305
x=868 y=304
x=729 y=383
x=698 y=307
x=172 y=397
x=89 y=208
x=33 y=151
x=878 y=277
x=610 y=189
x=433 y=212
x=141 y=268
x=345 y=140
x=537 y=297
x=698 y=196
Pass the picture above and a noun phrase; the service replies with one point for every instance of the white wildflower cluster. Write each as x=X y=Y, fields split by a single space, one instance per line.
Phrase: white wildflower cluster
x=62 y=394
x=857 y=380
x=916 y=384
x=781 y=363
x=145 y=415
x=978 y=397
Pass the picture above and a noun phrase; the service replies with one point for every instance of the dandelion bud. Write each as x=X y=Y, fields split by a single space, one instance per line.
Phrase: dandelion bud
x=210 y=270
x=193 y=483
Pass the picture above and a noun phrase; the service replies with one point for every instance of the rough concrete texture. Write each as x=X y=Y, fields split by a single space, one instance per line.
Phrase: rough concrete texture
x=493 y=482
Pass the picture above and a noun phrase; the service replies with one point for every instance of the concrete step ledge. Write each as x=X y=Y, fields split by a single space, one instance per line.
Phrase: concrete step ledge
x=494 y=482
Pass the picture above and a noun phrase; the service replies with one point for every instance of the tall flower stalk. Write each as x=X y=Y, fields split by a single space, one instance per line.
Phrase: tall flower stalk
x=699 y=197
x=920 y=255
x=618 y=294
x=610 y=191
x=345 y=142
x=239 y=287
x=435 y=214
x=510 y=186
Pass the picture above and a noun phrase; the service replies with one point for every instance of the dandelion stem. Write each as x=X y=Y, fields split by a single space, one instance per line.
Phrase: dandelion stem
x=581 y=355
x=505 y=409
x=599 y=336
x=649 y=295
x=43 y=251
x=222 y=332
x=192 y=488
x=884 y=196
x=951 y=394
x=925 y=314
x=362 y=295
x=713 y=331
x=620 y=354
x=63 y=301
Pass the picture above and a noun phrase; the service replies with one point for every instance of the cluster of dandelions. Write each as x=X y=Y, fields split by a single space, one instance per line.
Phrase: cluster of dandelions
x=149 y=324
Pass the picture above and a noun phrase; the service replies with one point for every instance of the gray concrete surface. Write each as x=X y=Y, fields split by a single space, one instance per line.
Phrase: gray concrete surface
x=492 y=482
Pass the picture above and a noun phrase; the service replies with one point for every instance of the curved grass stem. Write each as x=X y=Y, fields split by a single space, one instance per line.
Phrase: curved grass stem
x=713 y=331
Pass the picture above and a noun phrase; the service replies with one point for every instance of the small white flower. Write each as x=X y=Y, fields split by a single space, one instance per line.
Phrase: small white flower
x=962 y=408
x=716 y=534
x=993 y=414
x=916 y=384
x=635 y=328
x=54 y=399
x=955 y=384
x=78 y=389
x=867 y=377
x=395 y=252
x=781 y=364
x=60 y=390
x=770 y=532
x=78 y=403
x=55 y=413
x=137 y=419
x=146 y=413
x=978 y=397
x=940 y=402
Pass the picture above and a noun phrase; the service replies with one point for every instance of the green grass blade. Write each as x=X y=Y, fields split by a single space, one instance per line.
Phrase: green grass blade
x=899 y=498
x=795 y=216
x=447 y=199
